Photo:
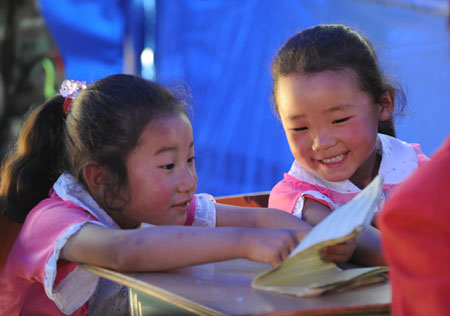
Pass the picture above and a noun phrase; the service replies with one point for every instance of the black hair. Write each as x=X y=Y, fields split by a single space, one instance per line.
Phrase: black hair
x=103 y=126
x=336 y=47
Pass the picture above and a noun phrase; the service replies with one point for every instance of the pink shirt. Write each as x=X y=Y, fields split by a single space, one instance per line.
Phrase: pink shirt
x=35 y=282
x=28 y=279
x=399 y=160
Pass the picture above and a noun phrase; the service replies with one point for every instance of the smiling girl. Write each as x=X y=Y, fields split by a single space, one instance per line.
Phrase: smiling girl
x=336 y=108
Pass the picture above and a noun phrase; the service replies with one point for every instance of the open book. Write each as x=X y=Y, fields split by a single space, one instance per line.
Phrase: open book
x=304 y=273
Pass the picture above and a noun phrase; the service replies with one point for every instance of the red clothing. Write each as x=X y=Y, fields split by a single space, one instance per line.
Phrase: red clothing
x=415 y=230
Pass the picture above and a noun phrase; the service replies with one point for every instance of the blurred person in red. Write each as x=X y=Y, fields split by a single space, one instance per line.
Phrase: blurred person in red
x=415 y=234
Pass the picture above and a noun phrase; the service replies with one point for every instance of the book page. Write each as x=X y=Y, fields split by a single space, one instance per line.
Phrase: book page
x=349 y=218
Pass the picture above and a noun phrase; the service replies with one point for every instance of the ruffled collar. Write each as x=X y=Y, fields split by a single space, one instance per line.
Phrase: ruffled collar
x=69 y=189
x=398 y=161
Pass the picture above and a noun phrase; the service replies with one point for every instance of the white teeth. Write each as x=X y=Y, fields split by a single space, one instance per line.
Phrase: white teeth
x=334 y=159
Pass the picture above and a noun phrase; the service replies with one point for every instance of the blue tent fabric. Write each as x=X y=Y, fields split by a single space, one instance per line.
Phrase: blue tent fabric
x=89 y=35
x=240 y=146
x=220 y=52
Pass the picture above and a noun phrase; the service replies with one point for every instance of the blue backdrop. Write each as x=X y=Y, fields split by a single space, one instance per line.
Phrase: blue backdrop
x=219 y=53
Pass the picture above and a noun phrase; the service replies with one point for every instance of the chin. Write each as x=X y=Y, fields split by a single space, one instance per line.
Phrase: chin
x=179 y=221
x=335 y=178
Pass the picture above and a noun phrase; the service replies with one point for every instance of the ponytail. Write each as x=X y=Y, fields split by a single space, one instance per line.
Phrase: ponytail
x=35 y=162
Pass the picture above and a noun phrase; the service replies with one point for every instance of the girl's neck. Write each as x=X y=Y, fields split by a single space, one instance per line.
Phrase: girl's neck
x=367 y=171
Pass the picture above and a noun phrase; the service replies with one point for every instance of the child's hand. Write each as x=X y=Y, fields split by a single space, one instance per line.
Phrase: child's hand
x=339 y=253
x=269 y=245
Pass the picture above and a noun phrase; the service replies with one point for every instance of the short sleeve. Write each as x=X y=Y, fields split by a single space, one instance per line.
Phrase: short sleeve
x=205 y=213
x=45 y=232
x=313 y=195
x=290 y=193
x=202 y=211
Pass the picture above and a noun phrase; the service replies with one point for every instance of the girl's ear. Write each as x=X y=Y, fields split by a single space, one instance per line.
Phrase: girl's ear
x=94 y=175
x=386 y=105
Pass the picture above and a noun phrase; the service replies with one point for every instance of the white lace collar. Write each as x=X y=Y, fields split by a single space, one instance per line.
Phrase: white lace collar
x=398 y=161
x=69 y=189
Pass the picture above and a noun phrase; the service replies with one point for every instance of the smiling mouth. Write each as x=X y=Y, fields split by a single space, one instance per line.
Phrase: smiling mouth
x=183 y=204
x=333 y=160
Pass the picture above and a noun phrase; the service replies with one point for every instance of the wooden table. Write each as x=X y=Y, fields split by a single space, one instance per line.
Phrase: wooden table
x=225 y=288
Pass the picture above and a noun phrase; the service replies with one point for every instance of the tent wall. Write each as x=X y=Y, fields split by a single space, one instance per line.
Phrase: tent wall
x=217 y=53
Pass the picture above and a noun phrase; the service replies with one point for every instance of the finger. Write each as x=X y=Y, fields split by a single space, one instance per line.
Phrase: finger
x=292 y=241
x=351 y=242
x=275 y=259
x=342 y=254
x=339 y=249
x=286 y=249
x=300 y=235
x=334 y=257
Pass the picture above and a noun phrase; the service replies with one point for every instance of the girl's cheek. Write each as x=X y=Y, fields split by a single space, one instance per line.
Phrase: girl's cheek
x=196 y=182
x=299 y=142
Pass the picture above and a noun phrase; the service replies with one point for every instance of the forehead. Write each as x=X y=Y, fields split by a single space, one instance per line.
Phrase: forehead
x=318 y=92
x=174 y=130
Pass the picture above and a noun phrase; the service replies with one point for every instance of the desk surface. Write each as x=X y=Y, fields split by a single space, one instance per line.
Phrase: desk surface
x=225 y=288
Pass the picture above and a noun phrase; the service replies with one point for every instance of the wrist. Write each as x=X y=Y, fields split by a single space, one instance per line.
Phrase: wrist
x=241 y=242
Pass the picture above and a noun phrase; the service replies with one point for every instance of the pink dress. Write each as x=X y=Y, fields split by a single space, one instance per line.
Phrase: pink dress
x=35 y=282
x=399 y=160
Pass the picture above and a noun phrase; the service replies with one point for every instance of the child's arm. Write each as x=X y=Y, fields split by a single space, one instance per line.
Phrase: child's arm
x=168 y=247
x=368 y=245
x=257 y=217
x=228 y=215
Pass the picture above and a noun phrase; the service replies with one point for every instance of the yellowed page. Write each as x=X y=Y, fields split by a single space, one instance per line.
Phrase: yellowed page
x=304 y=273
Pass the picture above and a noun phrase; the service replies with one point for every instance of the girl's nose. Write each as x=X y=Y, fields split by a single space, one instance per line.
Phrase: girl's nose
x=188 y=180
x=323 y=140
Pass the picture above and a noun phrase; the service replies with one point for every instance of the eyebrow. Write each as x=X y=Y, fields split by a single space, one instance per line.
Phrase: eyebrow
x=332 y=109
x=294 y=117
x=338 y=108
x=170 y=148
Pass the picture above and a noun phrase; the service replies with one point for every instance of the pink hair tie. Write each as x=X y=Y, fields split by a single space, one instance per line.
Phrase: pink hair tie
x=70 y=90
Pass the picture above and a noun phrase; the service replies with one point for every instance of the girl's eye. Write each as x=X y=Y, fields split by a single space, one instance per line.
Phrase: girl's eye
x=299 y=129
x=168 y=166
x=341 y=120
x=191 y=159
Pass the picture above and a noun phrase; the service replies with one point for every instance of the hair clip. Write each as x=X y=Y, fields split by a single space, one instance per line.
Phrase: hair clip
x=70 y=90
